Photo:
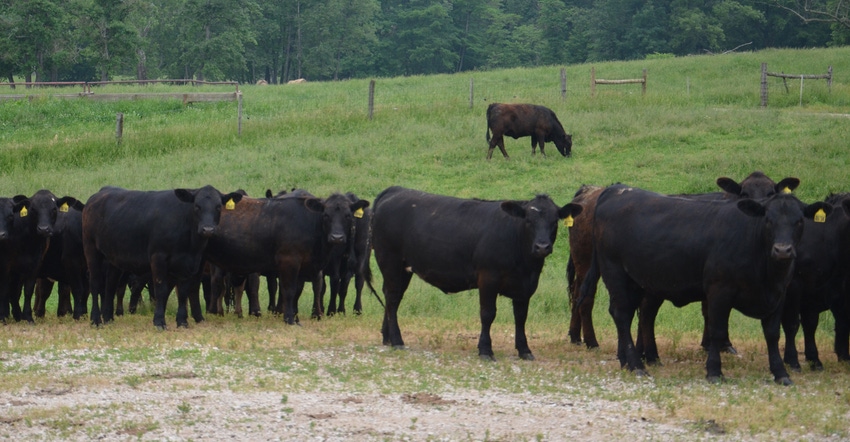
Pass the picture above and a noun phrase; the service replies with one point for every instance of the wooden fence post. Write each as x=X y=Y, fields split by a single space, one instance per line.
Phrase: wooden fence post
x=829 y=79
x=471 y=95
x=239 y=114
x=764 y=85
x=643 y=85
x=563 y=84
x=371 y=98
x=592 y=81
x=119 y=127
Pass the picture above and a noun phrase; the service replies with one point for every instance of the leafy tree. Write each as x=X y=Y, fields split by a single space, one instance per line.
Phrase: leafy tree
x=418 y=37
x=111 y=39
x=341 y=49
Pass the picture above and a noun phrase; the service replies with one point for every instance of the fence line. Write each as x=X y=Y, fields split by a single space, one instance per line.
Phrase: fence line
x=785 y=77
x=594 y=81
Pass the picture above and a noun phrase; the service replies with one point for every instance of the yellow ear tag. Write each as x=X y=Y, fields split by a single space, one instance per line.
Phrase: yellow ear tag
x=358 y=213
x=786 y=190
x=230 y=205
x=568 y=221
x=24 y=212
x=820 y=216
x=63 y=207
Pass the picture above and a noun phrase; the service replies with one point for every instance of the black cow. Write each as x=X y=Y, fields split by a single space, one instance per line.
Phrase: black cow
x=288 y=238
x=457 y=244
x=65 y=263
x=163 y=233
x=351 y=262
x=523 y=120
x=737 y=254
x=756 y=185
x=32 y=225
x=820 y=282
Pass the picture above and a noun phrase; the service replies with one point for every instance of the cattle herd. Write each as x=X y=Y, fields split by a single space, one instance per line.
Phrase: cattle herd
x=753 y=247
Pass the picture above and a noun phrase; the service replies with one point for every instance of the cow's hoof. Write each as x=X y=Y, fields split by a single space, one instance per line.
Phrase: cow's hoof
x=526 y=356
x=784 y=381
x=182 y=325
x=399 y=347
x=487 y=358
x=160 y=327
x=639 y=372
x=816 y=365
x=714 y=379
x=729 y=349
x=655 y=363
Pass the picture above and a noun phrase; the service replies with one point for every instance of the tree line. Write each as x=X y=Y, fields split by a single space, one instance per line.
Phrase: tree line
x=280 y=40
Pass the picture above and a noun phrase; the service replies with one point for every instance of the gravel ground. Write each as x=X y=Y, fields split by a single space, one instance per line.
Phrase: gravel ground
x=157 y=412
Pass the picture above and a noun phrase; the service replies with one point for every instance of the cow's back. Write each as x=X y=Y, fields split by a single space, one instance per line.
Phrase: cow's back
x=445 y=240
x=128 y=226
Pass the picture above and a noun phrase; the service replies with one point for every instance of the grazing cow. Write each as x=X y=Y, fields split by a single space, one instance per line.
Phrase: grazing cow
x=290 y=238
x=162 y=233
x=821 y=272
x=523 y=120
x=736 y=254
x=30 y=228
x=756 y=185
x=351 y=262
x=64 y=263
x=457 y=244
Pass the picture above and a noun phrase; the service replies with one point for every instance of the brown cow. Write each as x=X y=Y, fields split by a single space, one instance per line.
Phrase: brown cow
x=522 y=120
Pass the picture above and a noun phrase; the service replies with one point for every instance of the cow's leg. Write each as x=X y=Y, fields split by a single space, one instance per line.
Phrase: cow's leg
x=790 y=325
x=238 y=290
x=271 y=287
x=43 y=289
x=487 y=311
x=396 y=281
x=841 y=314
x=80 y=294
x=318 y=296
x=252 y=286
x=108 y=307
x=581 y=315
x=4 y=296
x=520 y=305
x=183 y=288
x=645 y=345
x=725 y=347
x=161 y=290
x=64 y=292
x=97 y=282
x=359 y=282
x=217 y=291
x=192 y=288
x=770 y=326
x=15 y=298
x=29 y=289
x=623 y=302
x=717 y=322
x=334 y=283
x=809 y=319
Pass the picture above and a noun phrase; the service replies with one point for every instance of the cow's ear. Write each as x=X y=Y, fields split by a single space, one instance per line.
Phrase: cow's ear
x=185 y=195
x=269 y=193
x=20 y=204
x=729 y=185
x=751 y=207
x=818 y=211
x=231 y=199
x=19 y=198
x=359 y=205
x=787 y=185
x=513 y=209
x=314 y=204
x=69 y=201
x=570 y=210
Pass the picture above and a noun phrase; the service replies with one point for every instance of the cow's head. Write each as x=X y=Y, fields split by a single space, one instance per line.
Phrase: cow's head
x=783 y=221
x=207 y=203
x=756 y=186
x=540 y=217
x=41 y=210
x=338 y=213
x=8 y=210
x=565 y=145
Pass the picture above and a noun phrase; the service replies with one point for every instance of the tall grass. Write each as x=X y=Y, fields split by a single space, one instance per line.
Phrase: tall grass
x=700 y=119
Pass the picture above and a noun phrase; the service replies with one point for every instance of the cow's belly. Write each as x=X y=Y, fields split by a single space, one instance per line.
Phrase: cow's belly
x=447 y=280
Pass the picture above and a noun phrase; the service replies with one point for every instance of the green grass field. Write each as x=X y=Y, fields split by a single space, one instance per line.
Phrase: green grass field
x=700 y=119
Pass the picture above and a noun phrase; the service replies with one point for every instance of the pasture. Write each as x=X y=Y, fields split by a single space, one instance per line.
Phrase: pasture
x=699 y=120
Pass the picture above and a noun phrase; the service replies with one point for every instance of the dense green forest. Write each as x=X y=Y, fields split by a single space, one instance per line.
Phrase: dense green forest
x=280 y=40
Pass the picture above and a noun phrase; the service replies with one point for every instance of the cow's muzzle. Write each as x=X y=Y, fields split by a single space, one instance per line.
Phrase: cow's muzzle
x=207 y=231
x=783 y=251
x=541 y=250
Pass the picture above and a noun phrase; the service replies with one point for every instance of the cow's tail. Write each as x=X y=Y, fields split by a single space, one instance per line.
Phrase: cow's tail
x=571 y=278
x=366 y=268
x=489 y=112
x=591 y=280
